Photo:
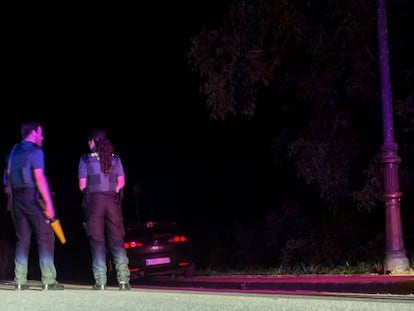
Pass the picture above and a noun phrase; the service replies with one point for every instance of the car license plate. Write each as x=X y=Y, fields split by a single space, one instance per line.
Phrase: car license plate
x=157 y=261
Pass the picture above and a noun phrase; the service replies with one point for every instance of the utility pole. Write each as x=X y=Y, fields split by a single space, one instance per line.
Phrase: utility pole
x=396 y=260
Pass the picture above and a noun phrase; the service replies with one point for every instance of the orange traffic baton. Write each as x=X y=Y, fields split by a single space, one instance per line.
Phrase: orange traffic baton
x=57 y=229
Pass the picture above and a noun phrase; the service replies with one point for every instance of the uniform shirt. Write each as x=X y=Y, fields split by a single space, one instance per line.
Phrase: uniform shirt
x=26 y=157
x=96 y=181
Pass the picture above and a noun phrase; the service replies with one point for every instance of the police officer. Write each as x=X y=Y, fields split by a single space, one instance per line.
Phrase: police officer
x=101 y=179
x=26 y=178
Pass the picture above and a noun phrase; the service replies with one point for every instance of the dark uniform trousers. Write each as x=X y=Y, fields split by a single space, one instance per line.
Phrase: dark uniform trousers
x=103 y=213
x=28 y=218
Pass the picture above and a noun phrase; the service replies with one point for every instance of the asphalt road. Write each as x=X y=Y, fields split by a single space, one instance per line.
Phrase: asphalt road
x=81 y=297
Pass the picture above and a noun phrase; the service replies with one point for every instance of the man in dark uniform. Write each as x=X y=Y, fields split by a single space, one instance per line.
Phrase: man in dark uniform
x=101 y=178
x=27 y=180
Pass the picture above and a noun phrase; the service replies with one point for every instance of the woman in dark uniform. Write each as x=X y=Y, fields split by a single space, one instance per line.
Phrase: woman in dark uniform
x=101 y=178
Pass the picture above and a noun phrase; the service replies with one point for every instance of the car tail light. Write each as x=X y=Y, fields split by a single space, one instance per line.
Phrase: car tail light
x=132 y=244
x=178 y=239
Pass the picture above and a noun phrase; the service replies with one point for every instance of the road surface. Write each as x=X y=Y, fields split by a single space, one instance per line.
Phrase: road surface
x=81 y=297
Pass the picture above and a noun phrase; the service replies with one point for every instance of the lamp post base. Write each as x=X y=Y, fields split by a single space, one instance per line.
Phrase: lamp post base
x=396 y=263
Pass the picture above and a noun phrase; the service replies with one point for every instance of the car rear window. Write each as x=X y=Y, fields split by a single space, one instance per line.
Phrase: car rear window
x=151 y=229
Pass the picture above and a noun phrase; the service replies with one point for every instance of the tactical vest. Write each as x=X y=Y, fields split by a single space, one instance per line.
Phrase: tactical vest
x=24 y=176
x=96 y=179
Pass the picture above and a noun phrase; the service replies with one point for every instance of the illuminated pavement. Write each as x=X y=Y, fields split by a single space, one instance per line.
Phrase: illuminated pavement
x=81 y=297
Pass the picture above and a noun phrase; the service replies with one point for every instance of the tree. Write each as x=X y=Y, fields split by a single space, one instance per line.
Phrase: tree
x=311 y=67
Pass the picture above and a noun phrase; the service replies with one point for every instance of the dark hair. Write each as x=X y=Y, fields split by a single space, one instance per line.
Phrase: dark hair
x=104 y=148
x=28 y=127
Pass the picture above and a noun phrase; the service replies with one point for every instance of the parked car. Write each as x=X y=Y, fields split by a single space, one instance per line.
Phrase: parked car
x=158 y=248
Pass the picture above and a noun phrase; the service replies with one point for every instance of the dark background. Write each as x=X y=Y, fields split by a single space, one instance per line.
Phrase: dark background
x=125 y=69
x=120 y=68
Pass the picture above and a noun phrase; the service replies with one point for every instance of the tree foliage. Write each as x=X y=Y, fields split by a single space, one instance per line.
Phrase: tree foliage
x=318 y=61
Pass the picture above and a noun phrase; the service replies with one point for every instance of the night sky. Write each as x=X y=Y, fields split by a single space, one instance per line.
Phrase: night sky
x=125 y=71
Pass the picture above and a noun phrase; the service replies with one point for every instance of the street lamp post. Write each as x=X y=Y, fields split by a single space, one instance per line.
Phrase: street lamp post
x=396 y=260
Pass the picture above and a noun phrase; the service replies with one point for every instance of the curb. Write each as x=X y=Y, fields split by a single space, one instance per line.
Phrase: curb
x=393 y=285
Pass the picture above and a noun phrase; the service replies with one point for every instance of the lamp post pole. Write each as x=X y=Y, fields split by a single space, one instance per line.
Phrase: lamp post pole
x=396 y=260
